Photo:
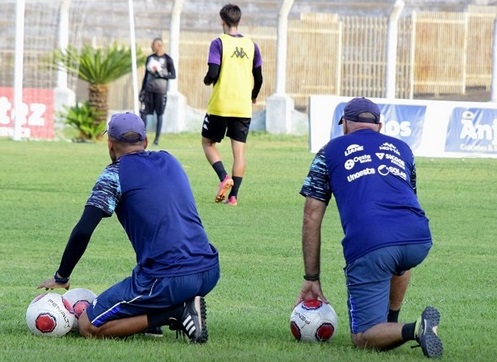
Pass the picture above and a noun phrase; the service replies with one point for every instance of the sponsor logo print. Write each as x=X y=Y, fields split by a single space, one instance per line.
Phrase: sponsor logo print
x=389 y=147
x=353 y=148
x=385 y=170
x=357 y=175
x=206 y=122
x=350 y=163
x=239 y=53
x=395 y=160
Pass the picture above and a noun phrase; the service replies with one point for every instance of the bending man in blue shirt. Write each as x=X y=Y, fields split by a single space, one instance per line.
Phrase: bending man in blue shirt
x=176 y=265
x=373 y=179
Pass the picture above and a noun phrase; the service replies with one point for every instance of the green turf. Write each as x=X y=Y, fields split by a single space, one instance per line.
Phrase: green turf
x=44 y=186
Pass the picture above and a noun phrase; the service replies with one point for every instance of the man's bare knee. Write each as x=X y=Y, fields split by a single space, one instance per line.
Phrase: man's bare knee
x=358 y=340
x=86 y=329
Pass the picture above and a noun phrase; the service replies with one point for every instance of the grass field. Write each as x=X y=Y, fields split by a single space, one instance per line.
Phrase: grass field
x=44 y=186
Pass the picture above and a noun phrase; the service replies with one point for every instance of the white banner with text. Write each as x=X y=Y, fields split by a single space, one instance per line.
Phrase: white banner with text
x=430 y=128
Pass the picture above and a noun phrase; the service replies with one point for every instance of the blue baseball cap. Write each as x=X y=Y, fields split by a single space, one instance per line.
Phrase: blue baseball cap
x=126 y=127
x=356 y=108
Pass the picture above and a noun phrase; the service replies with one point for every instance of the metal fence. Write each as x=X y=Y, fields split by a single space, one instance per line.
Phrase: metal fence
x=438 y=53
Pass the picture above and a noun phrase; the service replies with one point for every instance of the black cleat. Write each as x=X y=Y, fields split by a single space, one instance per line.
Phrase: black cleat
x=426 y=333
x=194 y=320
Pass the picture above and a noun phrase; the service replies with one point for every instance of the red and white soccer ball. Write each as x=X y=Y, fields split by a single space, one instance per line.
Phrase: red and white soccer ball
x=154 y=65
x=79 y=299
x=49 y=315
x=313 y=321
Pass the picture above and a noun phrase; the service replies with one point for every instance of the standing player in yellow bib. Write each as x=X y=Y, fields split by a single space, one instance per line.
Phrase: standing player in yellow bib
x=235 y=70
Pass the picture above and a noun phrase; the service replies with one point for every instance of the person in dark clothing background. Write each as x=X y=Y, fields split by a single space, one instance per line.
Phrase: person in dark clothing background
x=153 y=95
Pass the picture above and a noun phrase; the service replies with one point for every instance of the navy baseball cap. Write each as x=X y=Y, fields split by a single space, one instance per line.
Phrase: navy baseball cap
x=126 y=127
x=355 y=109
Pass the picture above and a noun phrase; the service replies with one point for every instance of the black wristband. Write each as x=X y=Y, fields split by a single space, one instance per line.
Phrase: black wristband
x=60 y=280
x=311 y=277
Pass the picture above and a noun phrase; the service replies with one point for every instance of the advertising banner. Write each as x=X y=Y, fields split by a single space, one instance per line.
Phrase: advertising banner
x=36 y=115
x=430 y=128
x=472 y=130
x=399 y=121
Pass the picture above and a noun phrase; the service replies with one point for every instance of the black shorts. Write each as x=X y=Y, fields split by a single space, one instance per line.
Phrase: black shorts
x=216 y=127
x=155 y=102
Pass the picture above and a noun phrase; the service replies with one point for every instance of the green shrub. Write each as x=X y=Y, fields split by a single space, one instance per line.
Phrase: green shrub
x=85 y=119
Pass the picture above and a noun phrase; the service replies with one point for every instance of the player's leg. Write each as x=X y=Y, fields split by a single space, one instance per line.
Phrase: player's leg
x=238 y=149
x=213 y=131
x=408 y=257
x=122 y=309
x=238 y=170
x=193 y=319
x=424 y=330
x=368 y=285
x=159 y=107
x=113 y=314
x=367 y=280
x=210 y=150
x=119 y=321
x=238 y=129
x=143 y=114
x=146 y=108
x=115 y=328
x=398 y=289
x=214 y=157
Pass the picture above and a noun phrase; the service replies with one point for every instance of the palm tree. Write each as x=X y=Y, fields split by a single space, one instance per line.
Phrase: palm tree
x=98 y=67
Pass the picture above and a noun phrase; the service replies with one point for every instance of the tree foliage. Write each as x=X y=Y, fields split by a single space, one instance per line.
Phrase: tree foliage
x=97 y=67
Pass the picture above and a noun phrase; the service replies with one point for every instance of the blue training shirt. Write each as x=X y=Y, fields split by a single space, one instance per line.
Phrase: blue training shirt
x=151 y=196
x=373 y=179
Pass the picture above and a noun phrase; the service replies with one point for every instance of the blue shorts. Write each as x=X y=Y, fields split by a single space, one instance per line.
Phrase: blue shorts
x=368 y=282
x=139 y=294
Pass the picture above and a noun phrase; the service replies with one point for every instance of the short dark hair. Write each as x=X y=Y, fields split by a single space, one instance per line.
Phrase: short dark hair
x=231 y=14
x=156 y=40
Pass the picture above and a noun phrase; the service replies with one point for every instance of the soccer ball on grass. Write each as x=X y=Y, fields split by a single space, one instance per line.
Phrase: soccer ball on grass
x=49 y=315
x=79 y=299
x=313 y=321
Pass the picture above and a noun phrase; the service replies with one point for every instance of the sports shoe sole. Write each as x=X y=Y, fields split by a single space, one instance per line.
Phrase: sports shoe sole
x=430 y=342
x=200 y=335
x=153 y=332
x=224 y=187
